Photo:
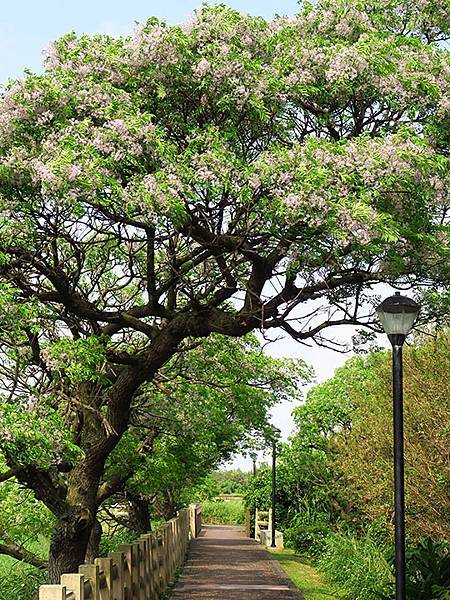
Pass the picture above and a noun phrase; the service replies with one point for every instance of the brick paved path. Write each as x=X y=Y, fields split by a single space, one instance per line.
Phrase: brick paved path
x=223 y=564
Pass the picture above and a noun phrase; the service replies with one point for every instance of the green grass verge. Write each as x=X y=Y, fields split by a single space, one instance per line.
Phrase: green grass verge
x=223 y=512
x=305 y=577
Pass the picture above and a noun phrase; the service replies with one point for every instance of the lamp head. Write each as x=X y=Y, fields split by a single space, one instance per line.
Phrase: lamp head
x=275 y=433
x=397 y=315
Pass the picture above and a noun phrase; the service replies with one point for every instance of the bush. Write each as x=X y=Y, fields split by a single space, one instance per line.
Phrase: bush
x=223 y=512
x=427 y=572
x=19 y=581
x=307 y=532
x=110 y=542
x=358 y=566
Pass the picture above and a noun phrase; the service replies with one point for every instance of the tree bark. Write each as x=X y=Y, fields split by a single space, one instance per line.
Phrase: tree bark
x=169 y=509
x=139 y=515
x=20 y=553
x=93 y=549
x=69 y=543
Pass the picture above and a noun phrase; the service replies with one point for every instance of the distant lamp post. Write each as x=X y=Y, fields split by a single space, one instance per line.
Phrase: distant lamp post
x=253 y=456
x=275 y=437
x=397 y=315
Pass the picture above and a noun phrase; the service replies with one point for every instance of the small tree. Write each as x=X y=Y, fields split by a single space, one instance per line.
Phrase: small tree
x=227 y=175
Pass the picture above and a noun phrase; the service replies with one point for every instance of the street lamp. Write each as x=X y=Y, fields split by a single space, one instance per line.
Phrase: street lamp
x=397 y=315
x=275 y=434
x=253 y=456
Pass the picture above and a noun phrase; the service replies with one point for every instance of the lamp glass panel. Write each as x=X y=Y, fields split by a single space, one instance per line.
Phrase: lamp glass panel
x=397 y=323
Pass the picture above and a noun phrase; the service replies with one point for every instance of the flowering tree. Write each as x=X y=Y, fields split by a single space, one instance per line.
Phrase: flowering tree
x=227 y=175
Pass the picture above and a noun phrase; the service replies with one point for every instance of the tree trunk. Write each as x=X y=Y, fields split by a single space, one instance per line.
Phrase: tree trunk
x=139 y=515
x=93 y=549
x=69 y=543
x=168 y=509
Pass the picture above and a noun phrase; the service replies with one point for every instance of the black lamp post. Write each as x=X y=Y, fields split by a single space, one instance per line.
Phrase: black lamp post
x=275 y=436
x=397 y=315
x=253 y=457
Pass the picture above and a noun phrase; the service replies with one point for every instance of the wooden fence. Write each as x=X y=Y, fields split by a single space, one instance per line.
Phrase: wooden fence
x=263 y=520
x=138 y=571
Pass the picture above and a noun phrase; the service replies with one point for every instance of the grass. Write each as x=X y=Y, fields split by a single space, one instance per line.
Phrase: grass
x=305 y=577
x=18 y=581
x=223 y=512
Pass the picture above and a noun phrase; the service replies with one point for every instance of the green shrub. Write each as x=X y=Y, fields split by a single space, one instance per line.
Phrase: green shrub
x=358 y=566
x=427 y=572
x=307 y=532
x=19 y=581
x=109 y=542
x=223 y=512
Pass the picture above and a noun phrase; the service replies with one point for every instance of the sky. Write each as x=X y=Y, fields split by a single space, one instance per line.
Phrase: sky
x=28 y=26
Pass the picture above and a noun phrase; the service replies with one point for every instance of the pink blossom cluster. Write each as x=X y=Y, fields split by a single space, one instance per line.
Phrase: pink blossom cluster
x=230 y=76
x=217 y=168
x=347 y=24
x=119 y=139
x=213 y=27
x=86 y=58
x=41 y=172
x=41 y=101
x=28 y=101
x=347 y=63
x=376 y=66
x=362 y=230
x=416 y=70
x=306 y=204
x=152 y=45
x=66 y=154
x=95 y=100
x=340 y=183
x=154 y=194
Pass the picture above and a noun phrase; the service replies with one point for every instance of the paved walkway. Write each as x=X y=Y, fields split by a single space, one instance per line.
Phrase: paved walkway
x=224 y=565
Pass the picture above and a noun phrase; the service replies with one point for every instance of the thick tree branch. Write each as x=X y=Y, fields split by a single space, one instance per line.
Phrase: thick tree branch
x=9 y=474
x=20 y=553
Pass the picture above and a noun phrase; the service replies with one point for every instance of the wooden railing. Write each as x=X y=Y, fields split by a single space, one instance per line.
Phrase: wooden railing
x=195 y=525
x=138 y=571
x=263 y=520
x=263 y=529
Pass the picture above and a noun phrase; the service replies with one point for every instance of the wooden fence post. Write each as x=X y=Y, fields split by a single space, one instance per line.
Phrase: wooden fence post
x=127 y=550
x=142 y=569
x=162 y=559
x=192 y=517
x=198 y=520
x=119 y=579
x=146 y=540
x=179 y=541
x=105 y=565
x=52 y=592
x=186 y=530
x=91 y=573
x=74 y=582
x=150 y=585
x=155 y=565
x=167 y=553
x=247 y=523
x=172 y=548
